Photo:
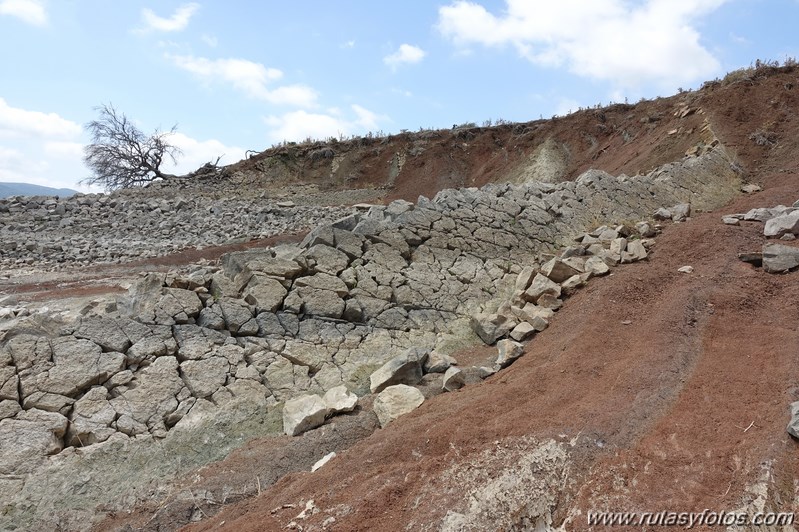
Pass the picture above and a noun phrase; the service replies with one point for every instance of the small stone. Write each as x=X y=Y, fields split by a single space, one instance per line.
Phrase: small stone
x=730 y=220
x=403 y=369
x=686 y=269
x=453 y=380
x=662 y=214
x=751 y=188
x=508 y=351
x=522 y=331
x=438 y=363
x=340 y=400
x=322 y=461
x=793 y=425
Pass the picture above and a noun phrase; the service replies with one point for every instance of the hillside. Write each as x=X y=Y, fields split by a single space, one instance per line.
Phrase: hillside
x=27 y=189
x=512 y=283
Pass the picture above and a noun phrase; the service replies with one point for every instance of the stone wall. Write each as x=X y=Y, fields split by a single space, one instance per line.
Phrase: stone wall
x=197 y=364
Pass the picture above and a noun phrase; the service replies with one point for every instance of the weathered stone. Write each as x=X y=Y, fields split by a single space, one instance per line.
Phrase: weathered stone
x=78 y=365
x=9 y=383
x=277 y=267
x=146 y=348
x=491 y=327
x=453 y=379
x=522 y=331
x=326 y=259
x=402 y=369
x=437 y=362
x=793 y=424
x=508 y=351
x=779 y=258
x=680 y=212
x=104 y=332
x=396 y=401
x=153 y=397
x=91 y=418
x=323 y=303
x=634 y=252
x=323 y=281
x=9 y=408
x=264 y=293
x=662 y=214
x=236 y=314
x=596 y=266
x=339 y=400
x=558 y=271
x=27 y=438
x=782 y=224
x=211 y=318
x=303 y=413
x=541 y=285
x=730 y=220
x=49 y=402
x=205 y=377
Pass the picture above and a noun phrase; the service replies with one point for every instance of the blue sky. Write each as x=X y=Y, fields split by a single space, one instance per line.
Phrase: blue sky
x=244 y=75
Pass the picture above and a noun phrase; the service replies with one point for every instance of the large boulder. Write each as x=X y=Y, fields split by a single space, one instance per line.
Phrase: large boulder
x=396 y=401
x=779 y=258
x=303 y=413
x=78 y=365
x=104 y=332
x=558 y=270
x=264 y=293
x=782 y=224
x=403 y=369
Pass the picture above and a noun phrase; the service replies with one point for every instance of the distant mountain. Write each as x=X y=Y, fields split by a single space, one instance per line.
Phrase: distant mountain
x=27 y=189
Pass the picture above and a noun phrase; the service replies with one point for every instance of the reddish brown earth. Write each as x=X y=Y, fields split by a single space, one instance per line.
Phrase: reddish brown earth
x=674 y=388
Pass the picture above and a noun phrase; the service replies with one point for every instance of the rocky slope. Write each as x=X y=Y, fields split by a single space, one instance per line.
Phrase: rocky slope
x=118 y=409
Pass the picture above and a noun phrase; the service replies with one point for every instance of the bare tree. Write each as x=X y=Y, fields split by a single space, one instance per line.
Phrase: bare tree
x=121 y=156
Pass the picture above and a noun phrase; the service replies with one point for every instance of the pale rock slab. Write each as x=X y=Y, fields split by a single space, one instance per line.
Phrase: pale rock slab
x=303 y=413
x=403 y=369
x=339 y=400
x=396 y=401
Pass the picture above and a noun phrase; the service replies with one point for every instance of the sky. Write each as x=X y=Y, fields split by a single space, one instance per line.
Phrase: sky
x=244 y=75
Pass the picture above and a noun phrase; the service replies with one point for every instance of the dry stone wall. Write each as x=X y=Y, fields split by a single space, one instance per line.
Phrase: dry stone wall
x=199 y=363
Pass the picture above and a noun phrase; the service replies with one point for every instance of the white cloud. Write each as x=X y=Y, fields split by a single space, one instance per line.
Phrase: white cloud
x=248 y=77
x=177 y=22
x=653 y=42
x=299 y=125
x=196 y=153
x=349 y=44
x=406 y=54
x=210 y=40
x=15 y=122
x=29 y=11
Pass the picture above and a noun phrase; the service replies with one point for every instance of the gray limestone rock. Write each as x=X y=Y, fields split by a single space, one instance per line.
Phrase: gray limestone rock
x=25 y=440
x=491 y=327
x=438 y=362
x=104 y=332
x=783 y=224
x=303 y=413
x=340 y=400
x=396 y=401
x=453 y=379
x=78 y=365
x=153 y=398
x=541 y=285
x=91 y=418
x=265 y=293
x=558 y=270
x=403 y=369
x=508 y=351
x=779 y=258
x=204 y=377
